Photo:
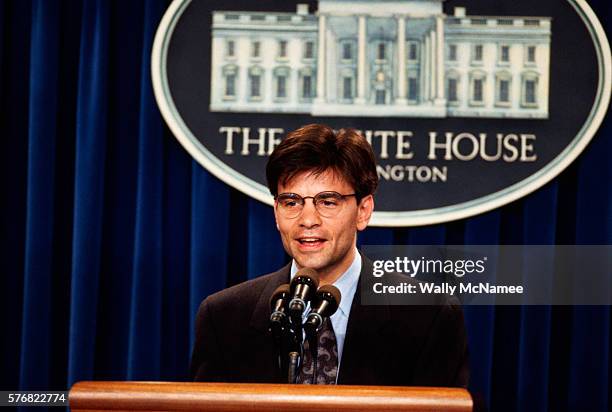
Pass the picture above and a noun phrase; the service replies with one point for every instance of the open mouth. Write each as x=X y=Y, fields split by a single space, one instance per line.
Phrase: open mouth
x=310 y=241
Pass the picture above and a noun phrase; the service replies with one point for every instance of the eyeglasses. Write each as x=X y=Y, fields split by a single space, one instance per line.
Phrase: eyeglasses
x=328 y=204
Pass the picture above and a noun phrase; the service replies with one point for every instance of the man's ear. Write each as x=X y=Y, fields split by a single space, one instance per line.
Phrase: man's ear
x=364 y=212
x=275 y=216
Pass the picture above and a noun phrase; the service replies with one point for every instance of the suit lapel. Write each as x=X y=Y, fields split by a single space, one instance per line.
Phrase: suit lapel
x=363 y=330
x=261 y=312
x=264 y=364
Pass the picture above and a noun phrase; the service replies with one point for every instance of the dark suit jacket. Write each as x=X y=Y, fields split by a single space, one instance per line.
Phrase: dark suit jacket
x=422 y=345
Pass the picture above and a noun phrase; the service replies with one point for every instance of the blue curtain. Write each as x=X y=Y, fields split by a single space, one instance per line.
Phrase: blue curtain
x=111 y=235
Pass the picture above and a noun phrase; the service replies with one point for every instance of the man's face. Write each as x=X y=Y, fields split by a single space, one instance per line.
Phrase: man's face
x=324 y=244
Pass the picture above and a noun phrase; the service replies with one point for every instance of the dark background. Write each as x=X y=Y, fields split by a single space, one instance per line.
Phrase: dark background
x=110 y=234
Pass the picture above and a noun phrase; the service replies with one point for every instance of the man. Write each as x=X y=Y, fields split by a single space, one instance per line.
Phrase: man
x=323 y=184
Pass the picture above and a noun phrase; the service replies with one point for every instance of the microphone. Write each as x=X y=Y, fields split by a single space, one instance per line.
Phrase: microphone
x=303 y=288
x=279 y=325
x=327 y=300
x=278 y=301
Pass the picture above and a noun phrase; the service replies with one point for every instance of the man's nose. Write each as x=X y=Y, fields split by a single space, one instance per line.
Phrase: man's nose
x=310 y=215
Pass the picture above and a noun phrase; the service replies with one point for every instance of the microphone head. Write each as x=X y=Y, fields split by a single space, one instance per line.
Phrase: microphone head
x=278 y=318
x=332 y=295
x=281 y=292
x=305 y=276
x=303 y=288
x=326 y=303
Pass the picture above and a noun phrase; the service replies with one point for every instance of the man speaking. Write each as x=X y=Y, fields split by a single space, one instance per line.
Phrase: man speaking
x=323 y=184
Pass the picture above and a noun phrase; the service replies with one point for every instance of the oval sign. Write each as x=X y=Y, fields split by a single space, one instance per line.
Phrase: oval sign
x=468 y=105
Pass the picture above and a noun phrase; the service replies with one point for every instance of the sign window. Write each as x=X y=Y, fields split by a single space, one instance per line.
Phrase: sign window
x=347 y=92
x=347 y=51
x=307 y=87
x=504 y=54
x=281 y=86
x=255 y=50
x=309 y=50
x=531 y=54
x=477 y=90
x=230 y=85
x=255 y=86
x=413 y=51
x=504 y=91
x=282 y=48
x=231 y=46
x=477 y=53
x=452 y=90
x=452 y=52
x=413 y=91
x=381 y=51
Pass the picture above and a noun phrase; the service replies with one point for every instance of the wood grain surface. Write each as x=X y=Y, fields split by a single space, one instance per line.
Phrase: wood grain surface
x=226 y=397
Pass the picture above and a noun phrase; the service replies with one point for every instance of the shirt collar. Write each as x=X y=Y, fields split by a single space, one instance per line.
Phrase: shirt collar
x=346 y=283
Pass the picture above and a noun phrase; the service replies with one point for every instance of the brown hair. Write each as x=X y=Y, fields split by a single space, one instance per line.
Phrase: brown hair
x=318 y=148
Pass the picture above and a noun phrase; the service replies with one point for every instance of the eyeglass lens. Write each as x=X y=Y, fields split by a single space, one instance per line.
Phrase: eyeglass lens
x=328 y=204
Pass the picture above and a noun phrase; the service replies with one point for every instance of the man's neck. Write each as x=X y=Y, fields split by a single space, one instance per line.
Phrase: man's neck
x=328 y=277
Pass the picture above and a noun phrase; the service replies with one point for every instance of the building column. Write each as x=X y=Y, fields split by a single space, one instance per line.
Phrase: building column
x=401 y=61
x=427 y=69
x=321 y=64
x=422 y=72
x=361 y=61
x=432 y=64
x=242 y=86
x=440 y=99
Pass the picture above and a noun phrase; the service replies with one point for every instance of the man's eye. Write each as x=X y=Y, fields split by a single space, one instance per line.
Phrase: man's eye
x=328 y=203
x=289 y=203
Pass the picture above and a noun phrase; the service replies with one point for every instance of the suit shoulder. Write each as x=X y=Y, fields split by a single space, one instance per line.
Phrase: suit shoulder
x=243 y=293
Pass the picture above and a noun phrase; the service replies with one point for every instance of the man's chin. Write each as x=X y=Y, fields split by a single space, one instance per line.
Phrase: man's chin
x=312 y=262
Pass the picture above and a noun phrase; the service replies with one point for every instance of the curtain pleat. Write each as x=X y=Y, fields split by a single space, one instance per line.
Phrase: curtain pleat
x=16 y=33
x=265 y=249
x=480 y=320
x=121 y=191
x=89 y=188
x=534 y=331
x=507 y=320
x=36 y=321
x=591 y=342
x=145 y=321
x=177 y=314
x=111 y=235
x=209 y=238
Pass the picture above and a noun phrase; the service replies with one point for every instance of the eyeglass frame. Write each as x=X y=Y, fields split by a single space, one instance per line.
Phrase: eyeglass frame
x=314 y=202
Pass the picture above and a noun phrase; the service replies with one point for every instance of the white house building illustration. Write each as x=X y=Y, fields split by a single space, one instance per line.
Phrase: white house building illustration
x=380 y=58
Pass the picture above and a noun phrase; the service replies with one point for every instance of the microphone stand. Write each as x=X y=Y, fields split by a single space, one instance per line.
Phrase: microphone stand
x=302 y=288
x=278 y=329
x=295 y=349
x=294 y=360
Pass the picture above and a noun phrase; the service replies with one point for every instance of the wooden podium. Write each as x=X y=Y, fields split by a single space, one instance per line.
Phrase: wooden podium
x=226 y=397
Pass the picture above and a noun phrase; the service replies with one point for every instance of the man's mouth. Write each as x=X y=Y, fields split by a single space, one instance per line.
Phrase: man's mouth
x=310 y=241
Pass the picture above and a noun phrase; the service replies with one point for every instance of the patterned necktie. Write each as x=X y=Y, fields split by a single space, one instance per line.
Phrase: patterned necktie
x=327 y=358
